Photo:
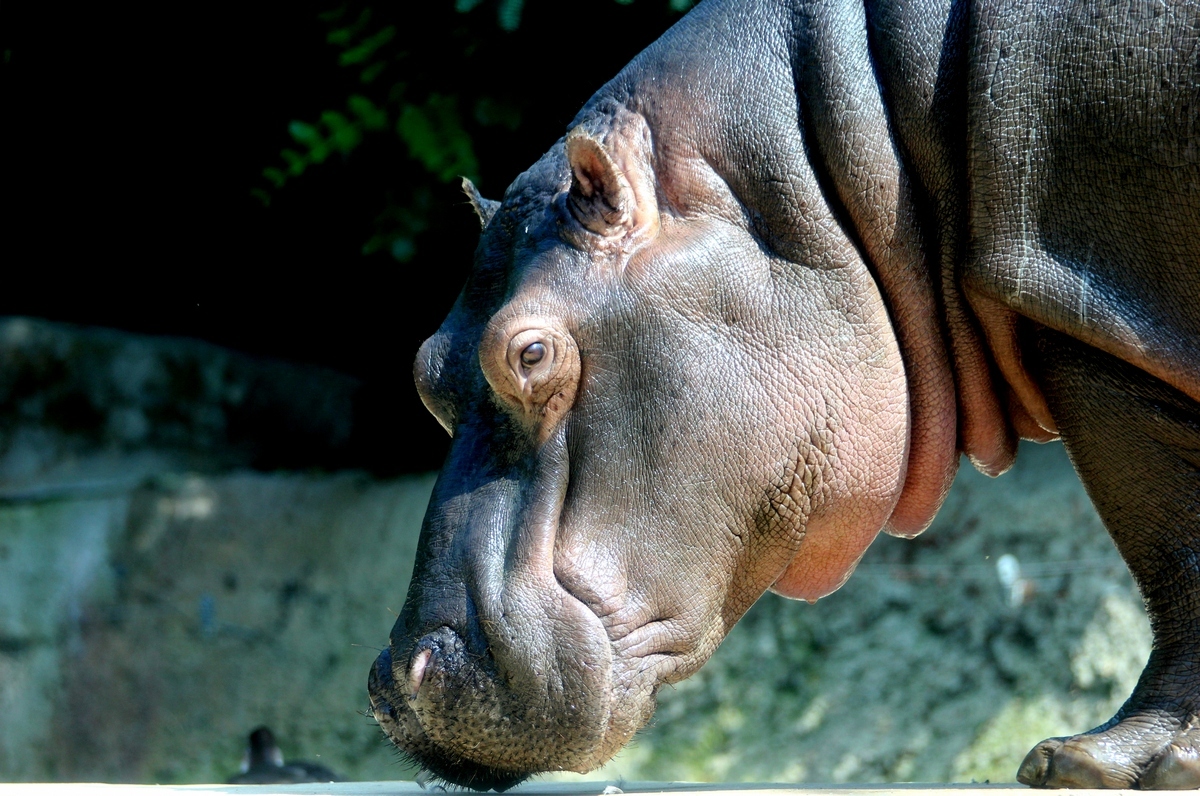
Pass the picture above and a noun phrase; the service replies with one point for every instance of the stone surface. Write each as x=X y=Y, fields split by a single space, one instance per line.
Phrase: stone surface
x=74 y=400
x=154 y=631
x=587 y=788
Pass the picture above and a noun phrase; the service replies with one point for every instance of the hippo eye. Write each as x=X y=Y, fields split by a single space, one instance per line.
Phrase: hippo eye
x=533 y=354
x=532 y=364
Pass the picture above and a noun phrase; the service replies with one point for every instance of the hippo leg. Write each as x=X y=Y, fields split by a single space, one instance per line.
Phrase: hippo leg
x=1135 y=443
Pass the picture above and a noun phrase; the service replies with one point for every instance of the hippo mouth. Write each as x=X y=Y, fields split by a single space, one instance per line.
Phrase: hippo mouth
x=459 y=716
x=397 y=714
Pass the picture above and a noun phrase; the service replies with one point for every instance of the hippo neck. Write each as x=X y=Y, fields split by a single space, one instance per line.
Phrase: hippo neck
x=867 y=102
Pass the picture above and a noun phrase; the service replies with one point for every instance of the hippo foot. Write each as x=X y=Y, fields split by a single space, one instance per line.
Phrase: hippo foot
x=1143 y=751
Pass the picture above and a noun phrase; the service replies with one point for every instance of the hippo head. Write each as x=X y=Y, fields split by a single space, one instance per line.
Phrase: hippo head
x=656 y=417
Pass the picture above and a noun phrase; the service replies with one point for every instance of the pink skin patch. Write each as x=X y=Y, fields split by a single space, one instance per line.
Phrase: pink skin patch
x=416 y=672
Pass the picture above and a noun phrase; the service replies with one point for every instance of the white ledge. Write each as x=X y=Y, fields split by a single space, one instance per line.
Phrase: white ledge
x=541 y=789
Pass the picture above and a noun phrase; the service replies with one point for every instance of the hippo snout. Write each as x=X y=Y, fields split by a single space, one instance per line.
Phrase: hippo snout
x=479 y=715
x=381 y=675
x=439 y=680
x=380 y=685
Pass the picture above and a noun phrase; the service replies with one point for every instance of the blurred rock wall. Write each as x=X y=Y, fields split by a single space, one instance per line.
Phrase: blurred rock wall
x=148 y=632
x=164 y=586
x=180 y=562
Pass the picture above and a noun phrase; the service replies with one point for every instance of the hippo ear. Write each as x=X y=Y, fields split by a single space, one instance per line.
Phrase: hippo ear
x=484 y=208
x=601 y=198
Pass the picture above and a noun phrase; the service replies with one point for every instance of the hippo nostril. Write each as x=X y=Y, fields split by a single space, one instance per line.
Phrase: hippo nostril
x=381 y=673
x=380 y=683
x=416 y=672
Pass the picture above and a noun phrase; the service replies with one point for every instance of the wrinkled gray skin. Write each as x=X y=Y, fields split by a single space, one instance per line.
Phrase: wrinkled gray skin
x=782 y=270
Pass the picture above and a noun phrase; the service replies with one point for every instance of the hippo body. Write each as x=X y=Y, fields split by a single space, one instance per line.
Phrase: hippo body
x=781 y=271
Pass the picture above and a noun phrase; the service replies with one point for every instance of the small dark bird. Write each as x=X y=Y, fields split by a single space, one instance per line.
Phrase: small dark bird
x=263 y=765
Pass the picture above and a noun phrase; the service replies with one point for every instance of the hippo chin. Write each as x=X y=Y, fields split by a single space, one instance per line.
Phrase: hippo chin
x=780 y=273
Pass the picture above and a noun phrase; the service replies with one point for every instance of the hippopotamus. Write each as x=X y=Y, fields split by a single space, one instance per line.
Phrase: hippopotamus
x=778 y=275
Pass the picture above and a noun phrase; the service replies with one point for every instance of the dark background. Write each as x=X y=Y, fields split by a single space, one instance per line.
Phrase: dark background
x=146 y=188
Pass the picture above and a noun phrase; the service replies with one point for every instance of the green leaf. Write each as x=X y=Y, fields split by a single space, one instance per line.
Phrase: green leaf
x=344 y=135
x=309 y=136
x=369 y=74
x=436 y=138
x=463 y=6
x=342 y=37
x=367 y=48
x=296 y=162
x=372 y=117
x=332 y=15
x=262 y=196
x=508 y=15
x=403 y=249
x=276 y=176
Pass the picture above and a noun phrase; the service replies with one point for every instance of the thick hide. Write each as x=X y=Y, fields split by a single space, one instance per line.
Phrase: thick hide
x=780 y=272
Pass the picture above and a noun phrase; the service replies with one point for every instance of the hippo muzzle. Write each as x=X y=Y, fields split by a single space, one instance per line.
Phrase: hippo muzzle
x=494 y=670
x=446 y=694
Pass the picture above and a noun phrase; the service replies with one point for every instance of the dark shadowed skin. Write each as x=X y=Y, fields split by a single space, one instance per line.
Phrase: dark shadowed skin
x=780 y=272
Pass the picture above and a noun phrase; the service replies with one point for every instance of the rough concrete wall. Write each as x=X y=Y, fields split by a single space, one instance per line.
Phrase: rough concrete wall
x=237 y=601
x=157 y=601
x=158 y=598
x=53 y=563
x=143 y=635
